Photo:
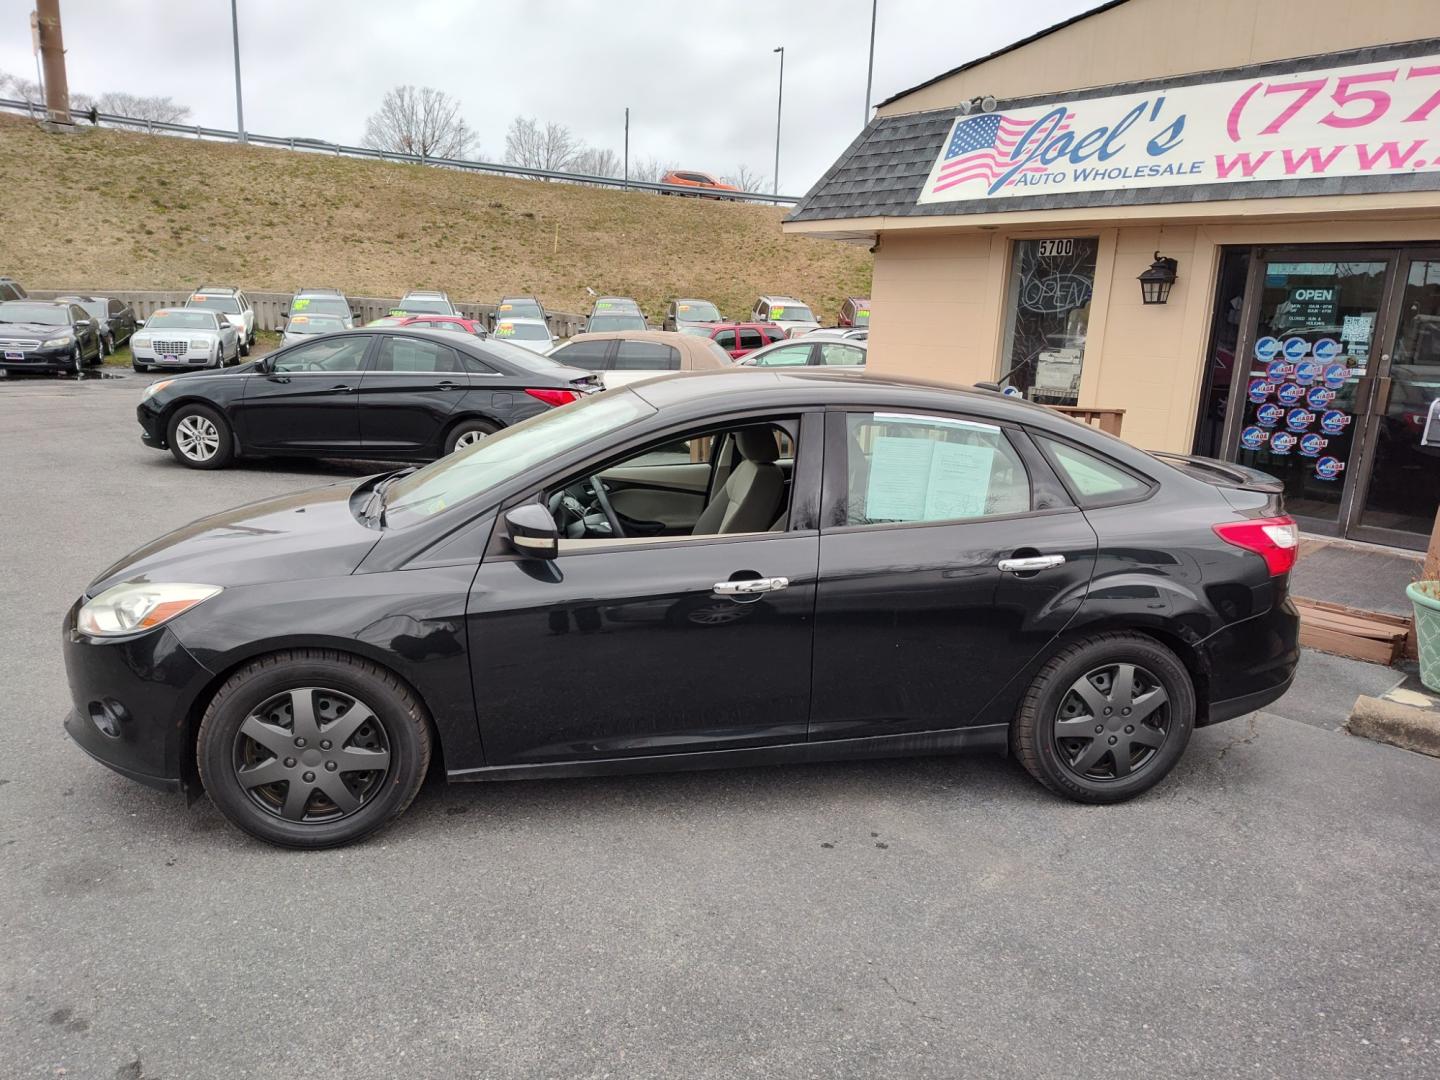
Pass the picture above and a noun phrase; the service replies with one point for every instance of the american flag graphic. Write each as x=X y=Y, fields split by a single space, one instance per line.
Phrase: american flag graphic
x=980 y=149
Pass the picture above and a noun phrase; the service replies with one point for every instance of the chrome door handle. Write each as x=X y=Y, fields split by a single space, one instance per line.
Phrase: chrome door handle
x=1031 y=564
x=751 y=587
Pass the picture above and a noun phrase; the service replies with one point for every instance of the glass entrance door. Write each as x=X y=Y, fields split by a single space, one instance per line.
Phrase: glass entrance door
x=1401 y=489
x=1308 y=356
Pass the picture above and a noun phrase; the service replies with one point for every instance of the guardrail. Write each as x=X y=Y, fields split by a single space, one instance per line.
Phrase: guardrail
x=268 y=305
x=37 y=112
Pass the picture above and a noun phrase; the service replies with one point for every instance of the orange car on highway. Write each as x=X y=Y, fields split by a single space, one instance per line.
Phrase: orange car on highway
x=702 y=180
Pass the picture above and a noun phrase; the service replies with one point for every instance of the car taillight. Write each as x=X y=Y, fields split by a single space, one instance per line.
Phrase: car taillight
x=1276 y=539
x=554 y=397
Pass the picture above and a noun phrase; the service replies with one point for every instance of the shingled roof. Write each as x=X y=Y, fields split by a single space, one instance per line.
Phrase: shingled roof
x=883 y=171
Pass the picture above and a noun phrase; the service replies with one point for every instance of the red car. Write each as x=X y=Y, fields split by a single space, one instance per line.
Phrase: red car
x=456 y=323
x=699 y=180
x=737 y=339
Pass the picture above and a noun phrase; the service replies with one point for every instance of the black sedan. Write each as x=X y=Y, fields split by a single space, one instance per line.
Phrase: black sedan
x=114 y=318
x=392 y=393
x=47 y=335
x=734 y=568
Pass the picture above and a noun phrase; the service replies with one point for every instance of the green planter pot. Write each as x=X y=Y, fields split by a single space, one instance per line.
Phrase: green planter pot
x=1427 y=630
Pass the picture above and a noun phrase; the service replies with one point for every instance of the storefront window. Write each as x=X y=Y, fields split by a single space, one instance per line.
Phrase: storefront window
x=1047 y=317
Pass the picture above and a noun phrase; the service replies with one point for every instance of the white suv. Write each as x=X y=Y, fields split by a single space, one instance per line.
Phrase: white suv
x=230 y=302
x=791 y=315
x=425 y=302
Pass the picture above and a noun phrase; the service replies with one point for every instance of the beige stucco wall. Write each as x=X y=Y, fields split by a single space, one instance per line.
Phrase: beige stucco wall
x=938 y=303
x=1147 y=39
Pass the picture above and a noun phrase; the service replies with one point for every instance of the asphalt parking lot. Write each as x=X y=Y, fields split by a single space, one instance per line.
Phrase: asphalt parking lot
x=1272 y=910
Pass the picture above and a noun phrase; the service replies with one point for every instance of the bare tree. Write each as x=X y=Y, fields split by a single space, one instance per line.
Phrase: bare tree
x=419 y=120
x=552 y=147
x=747 y=179
x=162 y=109
x=14 y=86
x=594 y=161
x=650 y=170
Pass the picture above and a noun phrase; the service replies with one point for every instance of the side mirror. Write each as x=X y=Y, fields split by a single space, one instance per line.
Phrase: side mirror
x=284 y=314
x=532 y=531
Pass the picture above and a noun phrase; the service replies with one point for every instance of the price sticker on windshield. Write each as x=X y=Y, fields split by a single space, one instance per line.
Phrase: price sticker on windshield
x=505 y=329
x=300 y=305
x=776 y=312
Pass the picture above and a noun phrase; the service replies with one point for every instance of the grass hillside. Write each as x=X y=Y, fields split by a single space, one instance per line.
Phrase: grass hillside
x=112 y=209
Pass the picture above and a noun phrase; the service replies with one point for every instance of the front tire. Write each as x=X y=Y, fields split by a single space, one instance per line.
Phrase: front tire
x=468 y=433
x=200 y=438
x=1106 y=718
x=313 y=748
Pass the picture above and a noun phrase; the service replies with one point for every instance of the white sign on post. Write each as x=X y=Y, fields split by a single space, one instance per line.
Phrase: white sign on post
x=1354 y=120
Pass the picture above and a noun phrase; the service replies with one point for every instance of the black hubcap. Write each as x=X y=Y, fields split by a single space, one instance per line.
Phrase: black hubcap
x=1112 y=722
x=312 y=755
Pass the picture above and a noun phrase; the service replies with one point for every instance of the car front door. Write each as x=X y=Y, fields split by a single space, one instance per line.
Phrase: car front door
x=923 y=615
x=408 y=392
x=640 y=646
x=305 y=396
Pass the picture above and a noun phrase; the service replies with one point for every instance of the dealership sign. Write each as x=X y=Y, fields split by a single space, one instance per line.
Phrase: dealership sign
x=1359 y=120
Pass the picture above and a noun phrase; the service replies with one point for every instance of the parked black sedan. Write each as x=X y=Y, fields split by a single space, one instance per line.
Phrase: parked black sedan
x=47 y=335
x=710 y=569
x=393 y=393
x=114 y=318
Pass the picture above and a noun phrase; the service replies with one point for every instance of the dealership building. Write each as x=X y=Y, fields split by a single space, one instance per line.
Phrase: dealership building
x=1215 y=226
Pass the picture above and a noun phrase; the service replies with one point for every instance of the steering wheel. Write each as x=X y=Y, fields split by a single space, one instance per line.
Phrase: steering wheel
x=598 y=487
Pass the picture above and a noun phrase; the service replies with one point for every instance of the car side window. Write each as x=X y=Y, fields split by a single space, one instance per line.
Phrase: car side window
x=647 y=356
x=903 y=468
x=329 y=354
x=78 y=314
x=1092 y=478
x=834 y=354
x=725 y=339
x=786 y=356
x=762 y=311
x=114 y=307
x=587 y=355
x=405 y=354
x=750 y=338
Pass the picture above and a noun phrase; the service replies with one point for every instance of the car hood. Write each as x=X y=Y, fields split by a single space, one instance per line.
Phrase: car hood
x=309 y=534
x=31 y=330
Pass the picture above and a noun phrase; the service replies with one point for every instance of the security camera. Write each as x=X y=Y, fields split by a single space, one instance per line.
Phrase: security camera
x=987 y=103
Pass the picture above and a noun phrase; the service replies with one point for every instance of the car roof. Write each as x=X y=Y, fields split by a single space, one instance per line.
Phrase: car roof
x=436 y=293
x=187 y=311
x=31 y=300
x=696 y=353
x=319 y=290
x=71 y=297
x=520 y=296
x=218 y=288
x=522 y=321
x=771 y=298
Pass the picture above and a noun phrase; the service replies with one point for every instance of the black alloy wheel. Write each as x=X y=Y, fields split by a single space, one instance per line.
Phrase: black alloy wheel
x=1106 y=718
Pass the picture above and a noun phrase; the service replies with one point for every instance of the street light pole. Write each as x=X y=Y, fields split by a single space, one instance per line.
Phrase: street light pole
x=870 y=71
x=779 y=101
x=239 y=104
x=627 y=148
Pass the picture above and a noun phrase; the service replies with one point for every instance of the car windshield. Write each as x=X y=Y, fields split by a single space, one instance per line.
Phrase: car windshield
x=521 y=331
x=320 y=305
x=180 y=320
x=227 y=304
x=696 y=311
x=521 y=309
x=505 y=455
x=414 y=306
x=93 y=308
x=615 y=322
x=790 y=313
x=615 y=305
x=44 y=314
x=862 y=315
x=314 y=324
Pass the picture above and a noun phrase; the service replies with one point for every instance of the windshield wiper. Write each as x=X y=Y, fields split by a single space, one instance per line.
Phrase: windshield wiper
x=374 y=511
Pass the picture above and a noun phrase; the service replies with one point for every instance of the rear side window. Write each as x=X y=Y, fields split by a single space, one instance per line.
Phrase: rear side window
x=589 y=355
x=408 y=354
x=837 y=355
x=1091 y=478
x=726 y=340
x=904 y=468
x=647 y=356
x=750 y=338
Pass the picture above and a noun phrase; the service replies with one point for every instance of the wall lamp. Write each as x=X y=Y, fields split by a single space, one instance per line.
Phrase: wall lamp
x=1155 y=283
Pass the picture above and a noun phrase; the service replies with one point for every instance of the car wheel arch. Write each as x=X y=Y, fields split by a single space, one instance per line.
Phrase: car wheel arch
x=452 y=422
x=240 y=658
x=1185 y=650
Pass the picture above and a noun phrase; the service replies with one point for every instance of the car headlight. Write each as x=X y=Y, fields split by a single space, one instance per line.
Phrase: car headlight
x=61 y=341
x=155 y=387
x=140 y=339
x=135 y=607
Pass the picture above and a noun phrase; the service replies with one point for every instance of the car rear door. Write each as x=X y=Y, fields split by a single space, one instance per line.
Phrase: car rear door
x=926 y=607
x=305 y=398
x=407 y=394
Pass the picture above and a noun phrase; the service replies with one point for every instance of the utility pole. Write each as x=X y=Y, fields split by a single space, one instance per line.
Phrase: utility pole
x=870 y=70
x=52 y=59
x=779 y=102
x=239 y=103
x=627 y=149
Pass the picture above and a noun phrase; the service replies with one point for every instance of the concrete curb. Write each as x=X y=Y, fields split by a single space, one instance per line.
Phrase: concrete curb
x=1405 y=726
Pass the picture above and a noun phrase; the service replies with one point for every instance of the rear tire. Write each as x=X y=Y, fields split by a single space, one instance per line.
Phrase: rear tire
x=272 y=718
x=138 y=366
x=467 y=433
x=199 y=437
x=1106 y=718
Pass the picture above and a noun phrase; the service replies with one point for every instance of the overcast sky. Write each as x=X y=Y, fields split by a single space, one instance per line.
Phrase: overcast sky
x=700 y=81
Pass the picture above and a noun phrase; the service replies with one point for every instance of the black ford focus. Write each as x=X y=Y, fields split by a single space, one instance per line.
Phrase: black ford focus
x=396 y=393
x=740 y=568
